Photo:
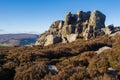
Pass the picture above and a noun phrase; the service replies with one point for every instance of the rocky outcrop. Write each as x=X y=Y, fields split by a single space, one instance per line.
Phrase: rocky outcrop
x=85 y=25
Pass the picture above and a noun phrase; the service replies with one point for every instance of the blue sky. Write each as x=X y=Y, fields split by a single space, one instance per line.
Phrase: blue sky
x=35 y=16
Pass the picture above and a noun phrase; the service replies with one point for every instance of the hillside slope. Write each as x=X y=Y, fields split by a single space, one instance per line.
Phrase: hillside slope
x=78 y=60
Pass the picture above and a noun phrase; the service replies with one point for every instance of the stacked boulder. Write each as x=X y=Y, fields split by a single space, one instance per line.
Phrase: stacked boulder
x=85 y=25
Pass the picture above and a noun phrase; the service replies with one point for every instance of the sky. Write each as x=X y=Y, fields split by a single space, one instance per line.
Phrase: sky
x=35 y=16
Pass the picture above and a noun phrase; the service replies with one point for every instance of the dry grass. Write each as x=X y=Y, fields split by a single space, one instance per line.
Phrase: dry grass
x=75 y=61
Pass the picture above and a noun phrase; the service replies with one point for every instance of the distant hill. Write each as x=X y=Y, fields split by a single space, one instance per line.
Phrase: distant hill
x=17 y=39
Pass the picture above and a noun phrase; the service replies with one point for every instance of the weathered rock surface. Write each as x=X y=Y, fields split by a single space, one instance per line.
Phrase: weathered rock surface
x=109 y=29
x=85 y=25
x=72 y=37
x=97 y=20
x=102 y=49
x=52 y=39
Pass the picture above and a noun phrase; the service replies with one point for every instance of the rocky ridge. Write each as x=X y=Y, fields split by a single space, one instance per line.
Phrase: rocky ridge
x=84 y=25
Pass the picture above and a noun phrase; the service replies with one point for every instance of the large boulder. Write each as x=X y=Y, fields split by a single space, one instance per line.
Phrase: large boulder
x=42 y=38
x=97 y=20
x=48 y=40
x=109 y=29
x=95 y=24
x=52 y=39
x=72 y=37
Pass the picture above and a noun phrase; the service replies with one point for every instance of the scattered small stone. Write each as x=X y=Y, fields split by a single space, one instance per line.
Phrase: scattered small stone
x=52 y=69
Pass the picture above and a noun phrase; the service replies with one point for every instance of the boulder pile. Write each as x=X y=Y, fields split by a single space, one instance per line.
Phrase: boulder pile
x=84 y=25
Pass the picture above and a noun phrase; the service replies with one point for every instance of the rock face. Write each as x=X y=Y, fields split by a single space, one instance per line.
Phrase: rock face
x=85 y=25
x=97 y=20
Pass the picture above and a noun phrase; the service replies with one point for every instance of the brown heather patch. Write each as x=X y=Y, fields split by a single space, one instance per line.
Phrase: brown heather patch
x=74 y=61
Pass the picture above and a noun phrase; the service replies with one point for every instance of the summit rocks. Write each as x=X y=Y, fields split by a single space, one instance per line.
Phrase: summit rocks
x=84 y=25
